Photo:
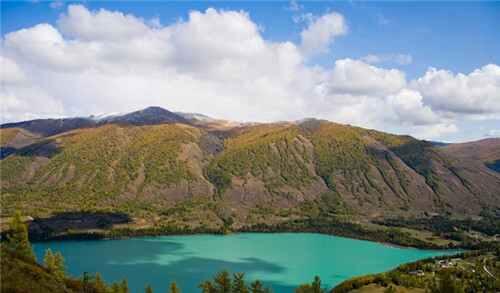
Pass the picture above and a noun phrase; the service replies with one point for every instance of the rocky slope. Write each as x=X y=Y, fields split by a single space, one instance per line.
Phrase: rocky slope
x=162 y=168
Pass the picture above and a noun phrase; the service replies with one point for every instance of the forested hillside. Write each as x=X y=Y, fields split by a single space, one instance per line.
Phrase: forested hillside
x=187 y=174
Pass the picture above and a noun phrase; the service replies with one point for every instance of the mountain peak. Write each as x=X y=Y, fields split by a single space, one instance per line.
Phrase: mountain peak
x=146 y=116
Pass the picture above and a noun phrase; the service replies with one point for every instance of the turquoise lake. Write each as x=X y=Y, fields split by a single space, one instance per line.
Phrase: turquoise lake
x=280 y=260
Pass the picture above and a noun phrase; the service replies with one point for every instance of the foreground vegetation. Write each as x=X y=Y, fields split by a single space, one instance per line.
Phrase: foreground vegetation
x=470 y=272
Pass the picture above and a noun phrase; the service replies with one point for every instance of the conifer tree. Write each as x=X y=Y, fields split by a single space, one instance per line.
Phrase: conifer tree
x=17 y=238
x=316 y=285
x=116 y=288
x=239 y=283
x=124 y=287
x=207 y=287
x=99 y=283
x=174 y=288
x=55 y=263
x=223 y=282
x=48 y=259
x=59 y=268
x=256 y=287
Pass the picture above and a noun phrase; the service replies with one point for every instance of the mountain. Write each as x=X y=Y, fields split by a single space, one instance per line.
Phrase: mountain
x=484 y=151
x=48 y=127
x=148 y=116
x=162 y=169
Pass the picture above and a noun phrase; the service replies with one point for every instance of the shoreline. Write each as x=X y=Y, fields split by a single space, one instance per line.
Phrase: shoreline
x=123 y=234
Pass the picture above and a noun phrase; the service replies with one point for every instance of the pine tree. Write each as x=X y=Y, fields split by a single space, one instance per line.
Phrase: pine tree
x=48 y=260
x=149 y=289
x=116 y=288
x=17 y=238
x=60 y=270
x=55 y=263
x=316 y=285
x=207 y=287
x=174 y=288
x=239 y=283
x=87 y=283
x=223 y=282
x=256 y=287
x=124 y=287
x=99 y=283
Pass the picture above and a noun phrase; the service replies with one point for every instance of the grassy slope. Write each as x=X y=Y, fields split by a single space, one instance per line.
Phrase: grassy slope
x=163 y=174
x=24 y=276
x=467 y=271
x=269 y=152
x=89 y=168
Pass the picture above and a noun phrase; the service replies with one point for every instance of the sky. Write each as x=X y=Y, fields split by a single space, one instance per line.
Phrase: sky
x=428 y=69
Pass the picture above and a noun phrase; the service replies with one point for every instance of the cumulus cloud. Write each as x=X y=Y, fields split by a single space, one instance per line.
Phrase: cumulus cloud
x=217 y=62
x=83 y=24
x=409 y=108
x=358 y=77
x=321 y=33
x=475 y=93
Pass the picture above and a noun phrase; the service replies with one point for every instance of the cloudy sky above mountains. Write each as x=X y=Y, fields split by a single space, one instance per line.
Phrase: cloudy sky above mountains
x=369 y=65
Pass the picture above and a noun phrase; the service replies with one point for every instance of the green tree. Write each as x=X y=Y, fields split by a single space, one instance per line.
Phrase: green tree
x=239 y=283
x=116 y=288
x=149 y=289
x=447 y=284
x=87 y=283
x=174 y=288
x=99 y=283
x=48 y=259
x=17 y=238
x=55 y=264
x=59 y=267
x=314 y=287
x=223 y=282
x=207 y=287
x=390 y=289
x=257 y=287
x=124 y=287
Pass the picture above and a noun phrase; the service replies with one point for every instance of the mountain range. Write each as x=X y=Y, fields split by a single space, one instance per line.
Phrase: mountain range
x=162 y=167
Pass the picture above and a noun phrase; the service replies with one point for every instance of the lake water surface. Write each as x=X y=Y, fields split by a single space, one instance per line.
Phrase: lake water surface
x=280 y=260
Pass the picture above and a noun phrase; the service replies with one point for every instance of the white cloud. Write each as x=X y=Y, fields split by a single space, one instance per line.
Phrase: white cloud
x=435 y=131
x=320 y=34
x=399 y=59
x=358 y=77
x=475 y=93
x=10 y=73
x=409 y=108
x=83 y=24
x=218 y=63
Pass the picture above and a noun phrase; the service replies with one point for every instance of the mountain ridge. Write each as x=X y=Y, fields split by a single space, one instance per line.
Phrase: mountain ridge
x=166 y=170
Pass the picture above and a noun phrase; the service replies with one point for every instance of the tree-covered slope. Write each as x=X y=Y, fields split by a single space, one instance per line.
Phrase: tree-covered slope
x=202 y=176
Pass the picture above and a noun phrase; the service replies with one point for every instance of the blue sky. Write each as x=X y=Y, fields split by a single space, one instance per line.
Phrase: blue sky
x=457 y=37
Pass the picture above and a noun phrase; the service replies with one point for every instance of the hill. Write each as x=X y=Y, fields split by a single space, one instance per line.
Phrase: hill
x=474 y=271
x=166 y=171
